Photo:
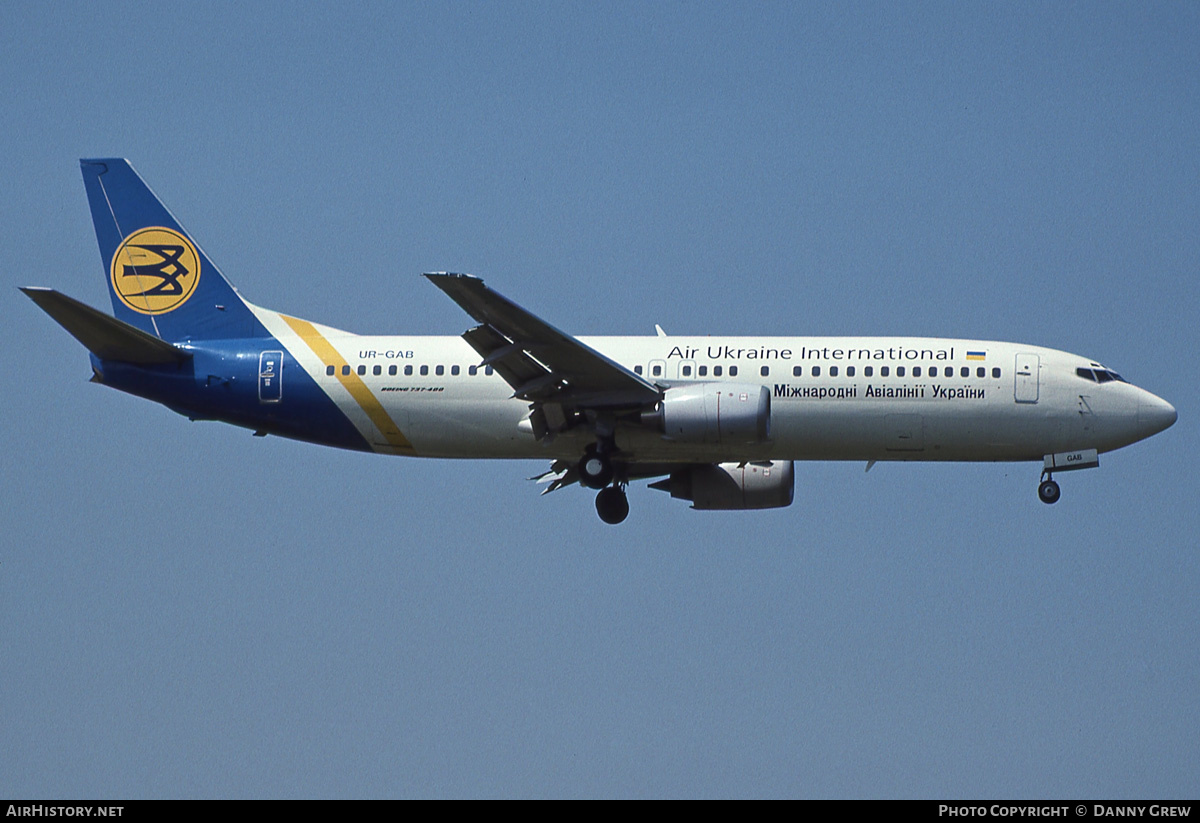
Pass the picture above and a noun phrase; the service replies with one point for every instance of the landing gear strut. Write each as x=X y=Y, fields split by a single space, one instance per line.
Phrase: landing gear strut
x=612 y=505
x=1048 y=490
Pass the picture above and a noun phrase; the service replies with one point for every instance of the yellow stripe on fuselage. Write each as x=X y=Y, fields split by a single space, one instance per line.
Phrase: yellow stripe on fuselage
x=354 y=384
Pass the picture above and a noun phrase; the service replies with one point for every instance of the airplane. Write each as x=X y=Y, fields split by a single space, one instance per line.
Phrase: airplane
x=721 y=420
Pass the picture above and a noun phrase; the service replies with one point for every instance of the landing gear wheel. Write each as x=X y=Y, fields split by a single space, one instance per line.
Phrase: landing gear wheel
x=612 y=505
x=1049 y=492
x=595 y=469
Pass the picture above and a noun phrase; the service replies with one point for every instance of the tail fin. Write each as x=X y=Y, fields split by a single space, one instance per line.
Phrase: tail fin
x=159 y=279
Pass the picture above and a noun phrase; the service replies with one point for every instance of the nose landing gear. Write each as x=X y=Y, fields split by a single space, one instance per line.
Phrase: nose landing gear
x=1048 y=490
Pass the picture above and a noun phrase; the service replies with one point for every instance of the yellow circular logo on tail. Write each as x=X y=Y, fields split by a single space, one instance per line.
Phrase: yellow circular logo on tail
x=155 y=270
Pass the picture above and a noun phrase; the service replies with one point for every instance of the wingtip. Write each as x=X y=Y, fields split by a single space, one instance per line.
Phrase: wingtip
x=451 y=282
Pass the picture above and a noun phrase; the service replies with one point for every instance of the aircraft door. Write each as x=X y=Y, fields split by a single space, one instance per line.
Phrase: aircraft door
x=270 y=377
x=1026 y=388
x=687 y=369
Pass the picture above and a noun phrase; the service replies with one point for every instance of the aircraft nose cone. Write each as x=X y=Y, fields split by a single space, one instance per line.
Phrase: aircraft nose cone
x=1155 y=414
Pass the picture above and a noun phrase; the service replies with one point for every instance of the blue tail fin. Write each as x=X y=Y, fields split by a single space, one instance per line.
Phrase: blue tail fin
x=159 y=279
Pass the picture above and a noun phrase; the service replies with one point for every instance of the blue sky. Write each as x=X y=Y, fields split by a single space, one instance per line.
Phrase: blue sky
x=189 y=611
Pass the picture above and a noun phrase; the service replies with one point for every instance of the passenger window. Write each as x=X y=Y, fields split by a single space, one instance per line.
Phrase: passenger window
x=439 y=370
x=637 y=369
x=899 y=371
x=849 y=371
x=703 y=372
x=868 y=370
x=408 y=371
x=764 y=371
x=733 y=371
x=454 y=370
x=657 y=371
x=833 y=371
x=473 y=370
x=716 y=371
x=966 y=371
x=424 y=370
x=345 y=369
x=329 y=371
x=917 y=371
x=488 y=370
x=687 y=371
x=797 y=371
x=362 y=370
x=816 y=371
x=884 y=371
x=995 y=372
x=981 y=372
x=392 y=371
x=378 y=370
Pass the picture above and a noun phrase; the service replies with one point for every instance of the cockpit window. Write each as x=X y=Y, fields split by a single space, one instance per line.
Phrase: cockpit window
x=1099 y=375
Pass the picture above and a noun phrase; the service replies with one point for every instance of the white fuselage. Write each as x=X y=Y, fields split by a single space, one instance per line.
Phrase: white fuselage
x=831 y=398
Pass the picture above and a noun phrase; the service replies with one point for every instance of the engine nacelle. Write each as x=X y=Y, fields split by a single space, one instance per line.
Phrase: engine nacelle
x=768 y=485
x=715 y=413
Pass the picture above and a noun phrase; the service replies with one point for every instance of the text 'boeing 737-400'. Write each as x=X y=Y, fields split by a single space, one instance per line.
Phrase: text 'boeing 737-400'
x=720 y=420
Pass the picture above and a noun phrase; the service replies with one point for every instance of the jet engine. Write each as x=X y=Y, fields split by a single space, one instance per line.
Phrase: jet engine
x=714 y=413
x=766 y=485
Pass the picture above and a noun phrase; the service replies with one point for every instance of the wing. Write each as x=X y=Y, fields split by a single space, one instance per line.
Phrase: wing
x=545 y=366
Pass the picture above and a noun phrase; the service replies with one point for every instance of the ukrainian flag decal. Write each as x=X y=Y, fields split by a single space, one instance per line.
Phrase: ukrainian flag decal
x=976 y=355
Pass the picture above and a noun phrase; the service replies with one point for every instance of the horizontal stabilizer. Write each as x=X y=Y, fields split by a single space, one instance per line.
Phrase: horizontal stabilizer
x=104 y=336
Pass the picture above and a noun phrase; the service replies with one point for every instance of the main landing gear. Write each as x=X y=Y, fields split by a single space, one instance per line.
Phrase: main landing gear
x=596 y=472
x=595 y=469
x=612 y=505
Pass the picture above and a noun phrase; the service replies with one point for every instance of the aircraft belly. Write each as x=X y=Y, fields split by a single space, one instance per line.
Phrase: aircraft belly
x=455 y=428
x=908 y=430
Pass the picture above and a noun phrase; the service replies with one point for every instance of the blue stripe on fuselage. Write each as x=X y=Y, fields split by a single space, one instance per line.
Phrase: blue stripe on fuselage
x=221 y=382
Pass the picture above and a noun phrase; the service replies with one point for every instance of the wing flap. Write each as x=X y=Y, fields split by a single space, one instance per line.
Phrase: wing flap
x=506 y=357
x=535 y=358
